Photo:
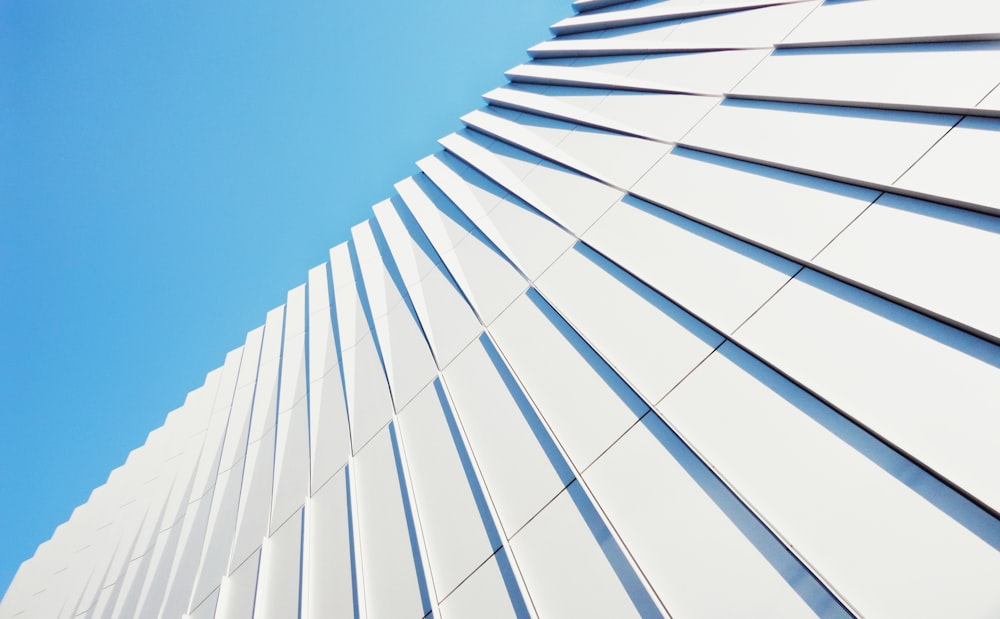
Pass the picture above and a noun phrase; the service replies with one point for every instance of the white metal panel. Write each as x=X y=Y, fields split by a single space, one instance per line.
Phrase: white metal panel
x=566 y=570
x=762 y=26
x=292 y=386
x=274 y=324
x=190 y=544
x=792 y=213
x=583 y=98
x=351 y=325
x=718 y=278
x=893 y=370
x=265 y=399
x=139 y=568
x=369 y=404
x=897 y=19
x=962 y=166
x=407 y=357
x=237 y=592
x=489 y=282
x=486 y=595
x=408 y=362
x=655 y=31
x=532 y=133
x=953 y=74
x=585 y=403
x=251 y=357
x=291 y=465
x=703 y=552
x=707 y=72
x=475 y=193
x=991 y=101
x=206 y=610
x=381 y=293
x=620 y=160
x=103 y=602
x=227 y=380
x=154 y=587
x=328 y=426
x=278 y=580
x=870 y=145
x=327 y=573
x=665 y=117
x=499 y=422
x=445 y=317
x=472 y=192
x=238 y=429
x=545 y=130
x=527 y=239
x=836 y=494
x=331 y=435
x=532 y=99
x=935 y=256
x=614 y=158
x=125 y=605
x=444 y=229
x=414 y=258
x=392 y=588
x=604 y=72
x=207 y=469
x=255 y=500
x=644 y=12
x=651 y=342
x=519 y=162
x=295 y=313
x=451 y=515
x=220 y=530
x=487 y=279
x=572 y=200
x=323 y=355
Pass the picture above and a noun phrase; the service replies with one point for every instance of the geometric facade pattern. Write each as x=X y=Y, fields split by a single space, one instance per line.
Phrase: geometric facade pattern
x=698 y=317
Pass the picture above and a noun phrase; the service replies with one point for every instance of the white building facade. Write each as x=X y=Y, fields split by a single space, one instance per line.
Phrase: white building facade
x=698 y=317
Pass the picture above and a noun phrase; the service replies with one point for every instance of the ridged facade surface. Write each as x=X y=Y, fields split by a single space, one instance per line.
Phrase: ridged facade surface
x=698 y=317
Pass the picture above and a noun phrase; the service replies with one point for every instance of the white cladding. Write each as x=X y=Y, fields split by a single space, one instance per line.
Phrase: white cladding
x=699 y=317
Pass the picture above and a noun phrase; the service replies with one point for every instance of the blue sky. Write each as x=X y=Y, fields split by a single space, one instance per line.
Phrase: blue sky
x=168 y=170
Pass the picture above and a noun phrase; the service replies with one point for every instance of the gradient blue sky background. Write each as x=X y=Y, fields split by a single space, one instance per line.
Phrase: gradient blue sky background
x=168 y=170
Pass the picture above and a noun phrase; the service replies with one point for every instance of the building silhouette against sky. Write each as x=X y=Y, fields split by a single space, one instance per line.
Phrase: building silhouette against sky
x=699 y=316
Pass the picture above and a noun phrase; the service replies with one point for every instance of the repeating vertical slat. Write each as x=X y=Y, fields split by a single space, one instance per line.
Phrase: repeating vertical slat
x=696 y=317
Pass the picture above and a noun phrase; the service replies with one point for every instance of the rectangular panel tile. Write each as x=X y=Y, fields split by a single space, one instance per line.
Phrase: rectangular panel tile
x=704 y=553
x=572 y=569
x=327 y=561
x=718 y=278
x=792 y=213
x=868 y=145
x=278 y=580
x=392 y=585
x=891 y=369
x=499 y=421
x=952 y=74
x=648 y=340
x=887 y=248
x=836 y=494
x=585 y=403
x=490 y=593
x=452 y=508
x=962 y=166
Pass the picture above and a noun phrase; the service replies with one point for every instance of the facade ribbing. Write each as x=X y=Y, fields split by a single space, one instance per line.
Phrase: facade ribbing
x=698 y=317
